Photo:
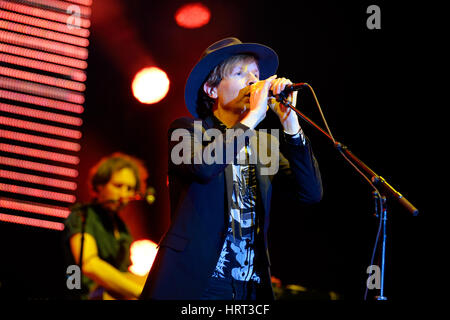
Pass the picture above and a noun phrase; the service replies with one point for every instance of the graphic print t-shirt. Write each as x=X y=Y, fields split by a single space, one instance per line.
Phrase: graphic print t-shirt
x=237 y=255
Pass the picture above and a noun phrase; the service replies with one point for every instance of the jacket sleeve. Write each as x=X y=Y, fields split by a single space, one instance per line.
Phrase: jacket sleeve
x=300 y=168
x=190 y=145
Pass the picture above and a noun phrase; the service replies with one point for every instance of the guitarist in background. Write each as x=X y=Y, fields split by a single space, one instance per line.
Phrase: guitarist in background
x=113 y=181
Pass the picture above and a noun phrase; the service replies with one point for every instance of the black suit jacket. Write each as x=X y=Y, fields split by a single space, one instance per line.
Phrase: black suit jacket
x=200 y=196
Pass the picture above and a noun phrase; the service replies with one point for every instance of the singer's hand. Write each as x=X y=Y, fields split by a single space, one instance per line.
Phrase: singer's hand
x=287 y=117
x=259 y=93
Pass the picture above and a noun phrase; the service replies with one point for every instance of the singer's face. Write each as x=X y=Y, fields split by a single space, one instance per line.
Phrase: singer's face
x=230 y=96
x=119 y=189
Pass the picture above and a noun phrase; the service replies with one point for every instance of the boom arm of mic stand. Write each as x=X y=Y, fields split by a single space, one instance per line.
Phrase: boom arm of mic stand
x=376 y=179
x=380 y=181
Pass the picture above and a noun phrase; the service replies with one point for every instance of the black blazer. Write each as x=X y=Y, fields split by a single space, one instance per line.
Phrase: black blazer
x=200 y=196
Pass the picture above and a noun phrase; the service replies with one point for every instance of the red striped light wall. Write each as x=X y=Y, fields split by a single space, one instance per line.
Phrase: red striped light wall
x=32 y=222
x=43 y=62
x=42 y=115
x=53 y=211
x=36 y=153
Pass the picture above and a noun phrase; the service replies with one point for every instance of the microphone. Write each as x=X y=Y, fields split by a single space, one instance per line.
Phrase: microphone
x=288 y=89
x=148 y=196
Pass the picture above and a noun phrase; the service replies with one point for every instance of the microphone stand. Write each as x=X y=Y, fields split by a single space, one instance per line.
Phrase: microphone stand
x=377 y=180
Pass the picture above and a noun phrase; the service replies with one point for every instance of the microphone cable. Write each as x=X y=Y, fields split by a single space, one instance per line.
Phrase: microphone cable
x=376 y=192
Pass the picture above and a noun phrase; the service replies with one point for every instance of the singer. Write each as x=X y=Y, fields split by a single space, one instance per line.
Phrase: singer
x=113 y=181
x=216 y=246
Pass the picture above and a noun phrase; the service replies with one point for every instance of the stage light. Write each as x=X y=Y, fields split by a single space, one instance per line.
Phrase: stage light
x=192 y=15
x=150 y=85
x=142 y=255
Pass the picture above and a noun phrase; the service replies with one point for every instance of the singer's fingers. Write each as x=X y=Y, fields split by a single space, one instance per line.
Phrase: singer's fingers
x=279 y=84
x=294 y=97
x=259 y=94
x=276 y=88
x=260 y=84
x=268 y=82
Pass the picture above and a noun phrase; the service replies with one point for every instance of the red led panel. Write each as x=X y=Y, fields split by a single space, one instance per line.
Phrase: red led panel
x=68 y=133
x=42 y=44
x=41 y=154
x=52 y=81
x=43 y=55
x=32 y=222
x=36 y=166
x=33 y=192
x=44 y=102
x=74 y=74
x=42 y=33
x=41 y=90
x=83 y=2
x=49 y=142
x=44 y=115
x=41 y=23
x=42 y=13
x=51 y=182
x=33 y=207
x=60 y=5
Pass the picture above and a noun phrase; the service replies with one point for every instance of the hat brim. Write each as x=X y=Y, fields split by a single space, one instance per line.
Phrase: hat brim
x=267 y=62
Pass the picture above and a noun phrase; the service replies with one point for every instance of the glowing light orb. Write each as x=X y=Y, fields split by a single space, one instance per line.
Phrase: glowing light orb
x=192 y=15
x=142 y=255
x=150 y=85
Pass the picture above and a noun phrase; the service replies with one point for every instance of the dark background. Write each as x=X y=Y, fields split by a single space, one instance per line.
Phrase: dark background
x=363 y=79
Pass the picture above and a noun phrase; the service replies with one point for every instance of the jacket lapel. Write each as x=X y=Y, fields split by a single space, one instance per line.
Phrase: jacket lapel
x=229 y=187
x=263 y=182
x=211 y=122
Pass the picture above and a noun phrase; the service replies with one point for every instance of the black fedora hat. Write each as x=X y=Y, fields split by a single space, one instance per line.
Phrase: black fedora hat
x=219 y=52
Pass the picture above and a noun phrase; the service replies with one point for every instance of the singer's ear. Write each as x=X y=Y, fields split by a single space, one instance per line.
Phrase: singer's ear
x=210 y=91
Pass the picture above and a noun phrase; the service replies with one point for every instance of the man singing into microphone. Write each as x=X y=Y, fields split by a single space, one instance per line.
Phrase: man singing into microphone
x=113 y=181
x=216 y=246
